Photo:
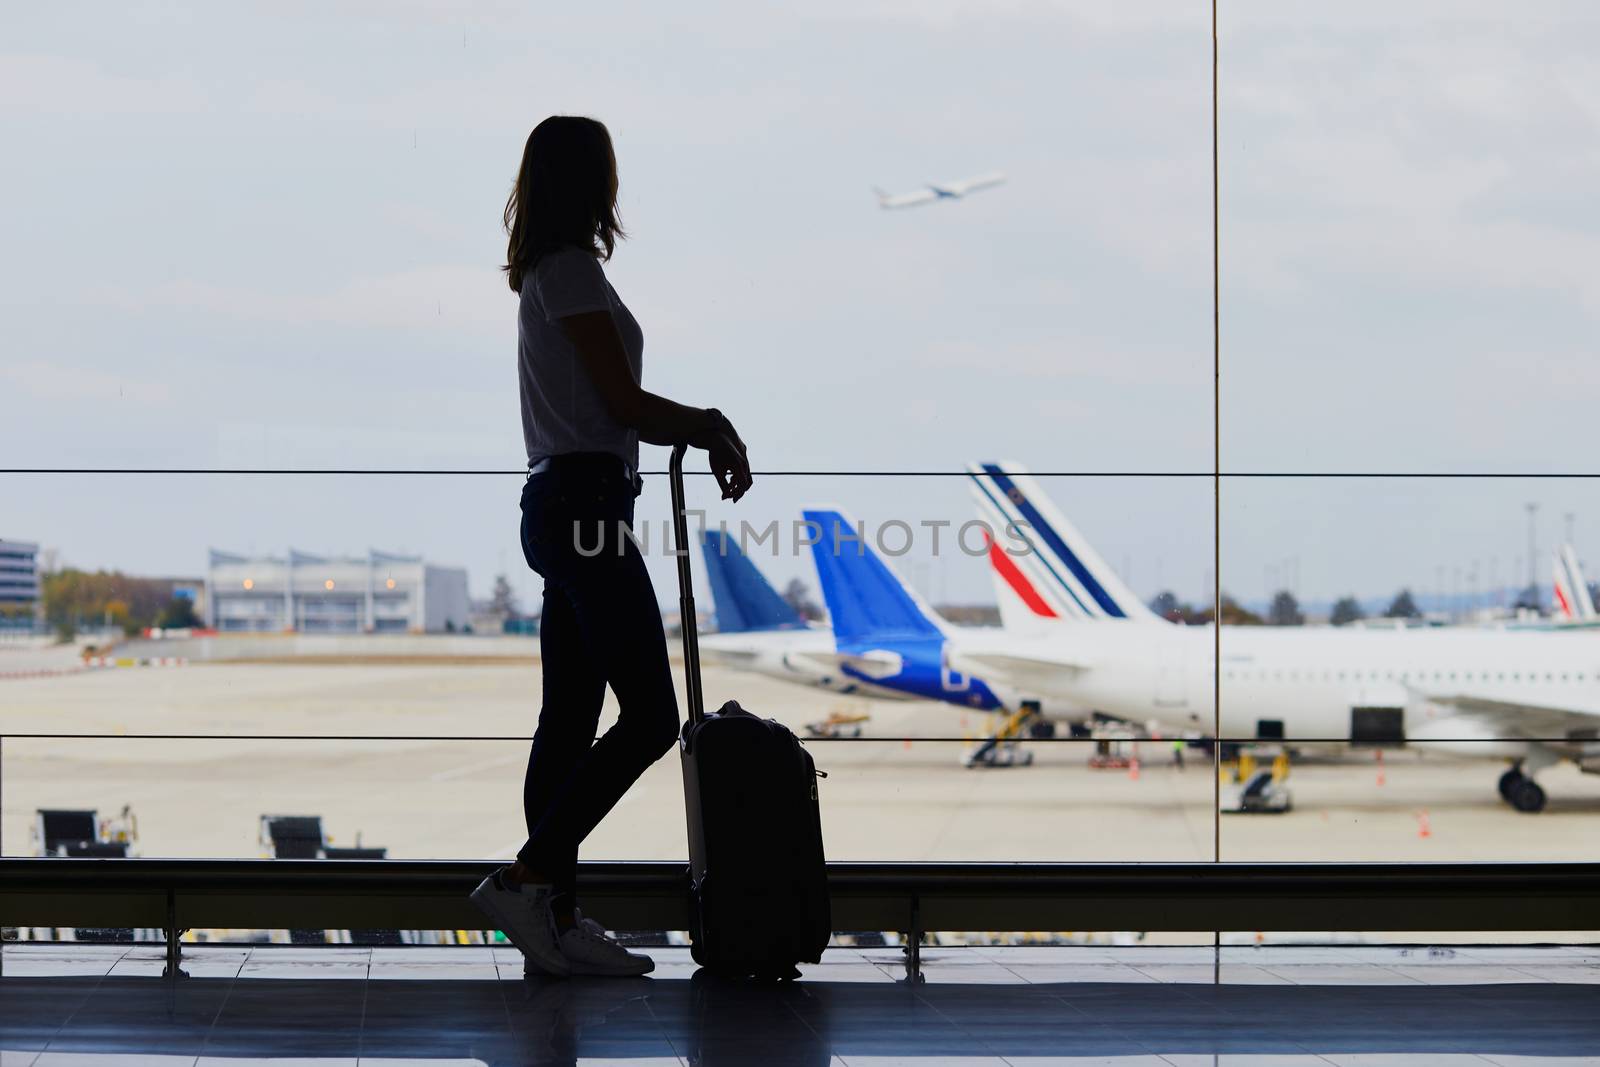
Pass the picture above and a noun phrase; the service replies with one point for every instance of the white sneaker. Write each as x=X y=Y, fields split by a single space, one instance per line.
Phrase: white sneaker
x=588 y=952
x=530 y=970
x=522 y=913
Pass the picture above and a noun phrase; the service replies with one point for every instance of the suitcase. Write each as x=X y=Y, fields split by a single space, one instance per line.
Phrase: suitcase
x=758 y=883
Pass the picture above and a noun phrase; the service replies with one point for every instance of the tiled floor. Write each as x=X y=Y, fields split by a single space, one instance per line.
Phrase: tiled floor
x=67 y=1004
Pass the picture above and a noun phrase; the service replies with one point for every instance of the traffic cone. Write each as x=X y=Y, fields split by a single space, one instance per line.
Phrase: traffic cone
x=1423 y=829
x=1380 y=766
x=1133 y=767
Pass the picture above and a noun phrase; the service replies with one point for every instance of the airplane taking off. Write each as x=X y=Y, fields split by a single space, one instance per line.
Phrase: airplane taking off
x=1532 y=697
x=944 y=191
x=885 y=634
x=757 y=630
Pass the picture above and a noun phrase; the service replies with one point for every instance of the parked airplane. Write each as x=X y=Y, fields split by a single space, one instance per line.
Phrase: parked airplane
x=1528 y=696
x=1574 y=604
x=757 y=630
x=887 y=635
x=944 y=191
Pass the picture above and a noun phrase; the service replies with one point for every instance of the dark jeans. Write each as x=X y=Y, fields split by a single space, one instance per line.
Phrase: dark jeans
x=601 y=626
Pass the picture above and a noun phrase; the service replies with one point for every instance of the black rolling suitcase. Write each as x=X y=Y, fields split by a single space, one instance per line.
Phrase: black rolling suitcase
x=758 y=884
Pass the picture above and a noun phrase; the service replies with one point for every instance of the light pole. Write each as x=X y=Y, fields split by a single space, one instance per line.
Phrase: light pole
x=1533 y=550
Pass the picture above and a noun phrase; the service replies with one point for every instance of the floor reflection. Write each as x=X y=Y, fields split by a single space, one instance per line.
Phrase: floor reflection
x=689 y=1019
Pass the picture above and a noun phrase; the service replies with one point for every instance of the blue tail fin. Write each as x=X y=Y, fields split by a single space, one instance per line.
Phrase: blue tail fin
x=866 y=602
x=743 y=597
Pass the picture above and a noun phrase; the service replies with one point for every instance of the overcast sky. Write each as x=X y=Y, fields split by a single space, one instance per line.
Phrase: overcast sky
x=268 y=236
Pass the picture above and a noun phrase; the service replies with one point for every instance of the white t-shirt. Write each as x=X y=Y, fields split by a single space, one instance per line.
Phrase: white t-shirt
x=561 y=409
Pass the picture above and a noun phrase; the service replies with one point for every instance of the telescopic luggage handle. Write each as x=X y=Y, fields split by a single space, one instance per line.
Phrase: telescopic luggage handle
x=686 y=613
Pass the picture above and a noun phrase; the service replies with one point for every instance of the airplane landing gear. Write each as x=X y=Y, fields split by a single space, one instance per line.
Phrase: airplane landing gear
x=1521 y=791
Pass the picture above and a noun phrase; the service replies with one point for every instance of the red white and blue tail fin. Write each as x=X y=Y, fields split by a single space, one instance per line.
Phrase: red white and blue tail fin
x=1043 y=567
x=1573 y=601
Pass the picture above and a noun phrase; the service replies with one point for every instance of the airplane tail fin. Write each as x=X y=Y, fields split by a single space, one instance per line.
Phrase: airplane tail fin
x=1044 y=568
x=1022 y=608
x=1573 y=600
x=866 y=601
x=743 y=598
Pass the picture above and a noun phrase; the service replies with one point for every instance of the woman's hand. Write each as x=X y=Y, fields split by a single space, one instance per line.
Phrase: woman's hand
x=729 y=463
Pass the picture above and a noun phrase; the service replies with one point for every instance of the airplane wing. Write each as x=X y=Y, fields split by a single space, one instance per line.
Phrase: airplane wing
x=972 y=185
x=874 y=664
x=730 y=655
x=1516 y=720
x=888 y=201
x=1034 y=674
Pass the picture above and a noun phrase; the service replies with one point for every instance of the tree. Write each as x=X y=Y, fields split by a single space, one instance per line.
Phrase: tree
x=1346 y=610
x=1167 y=605
x=1403 y=607
x=1285 y=610
x=178 y=614
x=798 y=596
x=503 y=601
x=75 y=599
x=1233 y=614
x=116 y=614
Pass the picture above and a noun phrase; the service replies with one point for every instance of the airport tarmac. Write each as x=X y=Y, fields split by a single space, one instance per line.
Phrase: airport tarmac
x=436 y=793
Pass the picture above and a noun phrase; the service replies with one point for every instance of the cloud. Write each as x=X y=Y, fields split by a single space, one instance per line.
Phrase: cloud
x=439 y=299
x=46 y=381
x=1072 y=356
x=1145 y=15
x=64 y=87
x=1438 y=154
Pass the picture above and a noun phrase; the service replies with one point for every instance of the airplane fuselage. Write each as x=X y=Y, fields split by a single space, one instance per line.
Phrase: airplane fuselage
x=1307 y=683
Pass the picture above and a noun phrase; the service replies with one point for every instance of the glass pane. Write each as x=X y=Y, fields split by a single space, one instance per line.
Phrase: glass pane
x=322 y=551
x=1456 y=800
x=882 y=800
x=293 y=253
x=1407 y=233
x=922 y=658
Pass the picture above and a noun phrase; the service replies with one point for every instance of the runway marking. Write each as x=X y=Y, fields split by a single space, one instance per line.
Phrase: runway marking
x=481 y=765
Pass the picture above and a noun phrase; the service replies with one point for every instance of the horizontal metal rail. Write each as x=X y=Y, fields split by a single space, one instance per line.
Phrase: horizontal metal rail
x=906 y=897
x=1409 y=475
x=1386 y=744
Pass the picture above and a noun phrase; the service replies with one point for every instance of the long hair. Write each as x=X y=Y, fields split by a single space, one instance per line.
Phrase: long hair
x=566 y=194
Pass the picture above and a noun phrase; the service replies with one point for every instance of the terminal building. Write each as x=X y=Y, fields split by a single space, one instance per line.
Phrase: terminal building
x=376 y=593
x=19 y=578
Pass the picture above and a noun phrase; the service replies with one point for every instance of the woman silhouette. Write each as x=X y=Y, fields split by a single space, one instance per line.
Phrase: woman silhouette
x=583 y=416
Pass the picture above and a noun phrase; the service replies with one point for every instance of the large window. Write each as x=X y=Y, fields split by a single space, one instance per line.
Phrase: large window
x=261 y=417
